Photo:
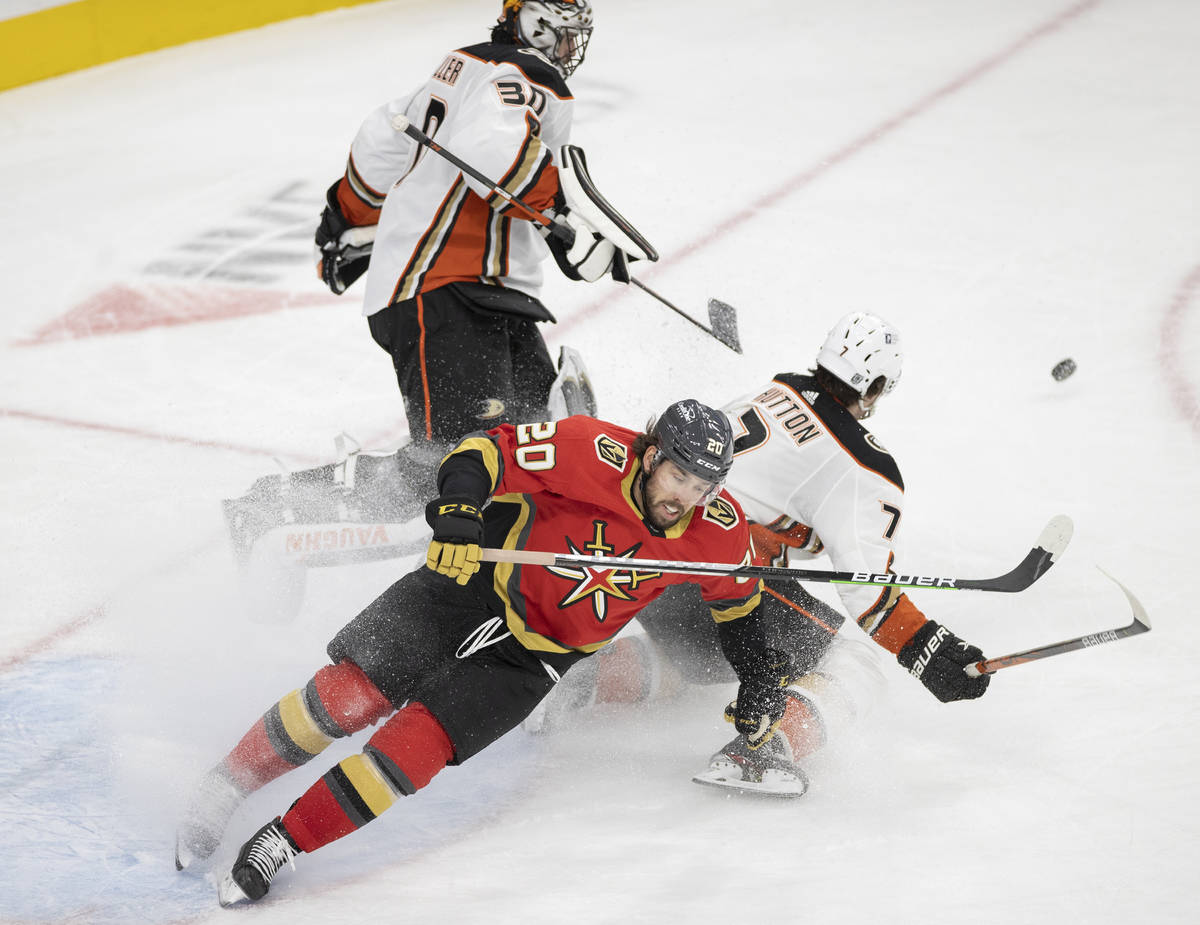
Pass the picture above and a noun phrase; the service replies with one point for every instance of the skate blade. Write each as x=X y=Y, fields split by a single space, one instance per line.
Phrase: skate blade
x=189 y=863
x=779 y=788
x=229 y=893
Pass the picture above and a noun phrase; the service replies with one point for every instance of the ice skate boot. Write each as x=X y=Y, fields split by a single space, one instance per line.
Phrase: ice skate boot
x=257 y=864
x=213 y=805
x=768 y=770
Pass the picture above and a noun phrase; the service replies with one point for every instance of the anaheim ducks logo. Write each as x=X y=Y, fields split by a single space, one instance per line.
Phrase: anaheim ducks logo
x=490 y=408
x=612 y=453
x=596 y=583
x=722 y=513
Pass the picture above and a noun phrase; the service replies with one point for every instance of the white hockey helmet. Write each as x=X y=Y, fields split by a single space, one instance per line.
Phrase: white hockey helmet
x=859 y=349
x=559 y=29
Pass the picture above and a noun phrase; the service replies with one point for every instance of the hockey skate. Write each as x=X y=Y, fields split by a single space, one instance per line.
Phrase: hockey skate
x=257 y=864
x=213 y=805
x=766 y=771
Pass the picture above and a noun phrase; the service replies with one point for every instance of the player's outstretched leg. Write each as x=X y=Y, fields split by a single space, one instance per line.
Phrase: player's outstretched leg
x=400 y=758
x=338 y=701
x=630 y=670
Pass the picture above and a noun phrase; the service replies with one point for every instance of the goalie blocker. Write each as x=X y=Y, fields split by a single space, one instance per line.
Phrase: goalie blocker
x=589 y=237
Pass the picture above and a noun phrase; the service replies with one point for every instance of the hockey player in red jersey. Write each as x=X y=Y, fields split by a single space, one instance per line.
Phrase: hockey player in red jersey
x=811 y=479
x=455 y=269
x=466 y=649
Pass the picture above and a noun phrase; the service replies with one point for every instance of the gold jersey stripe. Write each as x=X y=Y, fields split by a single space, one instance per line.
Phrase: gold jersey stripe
x=368 y=782
x=299 y=725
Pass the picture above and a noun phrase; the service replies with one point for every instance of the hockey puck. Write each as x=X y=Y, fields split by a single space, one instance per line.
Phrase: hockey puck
x=1063 y=369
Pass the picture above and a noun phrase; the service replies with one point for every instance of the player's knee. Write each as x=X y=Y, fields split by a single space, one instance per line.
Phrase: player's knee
x=342 y=700
x=410 y=748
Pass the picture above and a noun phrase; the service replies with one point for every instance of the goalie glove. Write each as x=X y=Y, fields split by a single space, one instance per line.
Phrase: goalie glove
x=591 y=238
x=588 y=256
x=342 y=252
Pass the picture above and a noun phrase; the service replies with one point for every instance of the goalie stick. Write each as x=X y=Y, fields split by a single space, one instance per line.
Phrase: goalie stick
x=1050 y=545
x=722 y=317
x=1140 y=624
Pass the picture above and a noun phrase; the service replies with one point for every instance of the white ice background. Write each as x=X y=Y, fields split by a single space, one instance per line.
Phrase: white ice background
x=1009 y=183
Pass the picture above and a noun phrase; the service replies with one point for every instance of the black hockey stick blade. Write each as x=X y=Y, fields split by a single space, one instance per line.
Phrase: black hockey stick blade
x=1050 y=545
x=723 y=337
x=1140 y=624
x=723 y=320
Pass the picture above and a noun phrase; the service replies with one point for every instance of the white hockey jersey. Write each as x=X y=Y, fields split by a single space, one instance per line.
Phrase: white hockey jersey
x=504 y=110
x=800 y=457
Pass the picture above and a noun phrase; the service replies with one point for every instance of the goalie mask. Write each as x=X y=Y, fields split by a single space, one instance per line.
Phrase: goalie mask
x=861 y=348
x=559 y=29
x=698 y=440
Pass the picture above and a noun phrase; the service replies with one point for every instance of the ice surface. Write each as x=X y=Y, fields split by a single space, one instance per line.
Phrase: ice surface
x=1010 y=184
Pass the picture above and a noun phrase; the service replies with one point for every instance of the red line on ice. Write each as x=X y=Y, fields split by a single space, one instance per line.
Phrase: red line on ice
x=1179 y=383
x=50 y=639
x=134 y=432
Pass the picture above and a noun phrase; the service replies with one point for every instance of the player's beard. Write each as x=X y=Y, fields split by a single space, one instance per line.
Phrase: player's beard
x=655 y=502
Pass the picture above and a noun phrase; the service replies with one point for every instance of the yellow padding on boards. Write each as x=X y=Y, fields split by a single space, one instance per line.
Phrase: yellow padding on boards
x=368 y=782
x=299 y=724
x=73 y=36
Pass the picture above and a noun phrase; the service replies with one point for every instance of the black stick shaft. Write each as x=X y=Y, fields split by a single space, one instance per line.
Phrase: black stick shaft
x=562 y=232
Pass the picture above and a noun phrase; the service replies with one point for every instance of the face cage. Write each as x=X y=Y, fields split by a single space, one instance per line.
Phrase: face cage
x=570 y=45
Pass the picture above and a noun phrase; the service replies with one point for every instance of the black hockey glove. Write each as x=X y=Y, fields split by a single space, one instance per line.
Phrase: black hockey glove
x=342 y=253
x=457 y=535
x=938 y=659
x=760 y=700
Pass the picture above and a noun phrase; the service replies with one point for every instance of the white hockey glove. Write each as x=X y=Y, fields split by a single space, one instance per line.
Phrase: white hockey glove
x=604 y=241
x=589 y=257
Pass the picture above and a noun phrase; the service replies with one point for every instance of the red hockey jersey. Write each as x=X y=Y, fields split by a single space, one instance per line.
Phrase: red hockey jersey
x=566 y=487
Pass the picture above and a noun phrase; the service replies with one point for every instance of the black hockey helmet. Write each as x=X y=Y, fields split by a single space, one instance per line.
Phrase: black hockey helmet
x=697 y=438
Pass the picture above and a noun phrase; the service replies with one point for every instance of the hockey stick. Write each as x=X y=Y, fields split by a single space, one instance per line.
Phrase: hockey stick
x=1050 y=544
x=723 y=318
x=1140 y=624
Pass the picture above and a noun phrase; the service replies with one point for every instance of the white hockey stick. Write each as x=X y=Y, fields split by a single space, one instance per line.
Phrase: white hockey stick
x=1140 y=624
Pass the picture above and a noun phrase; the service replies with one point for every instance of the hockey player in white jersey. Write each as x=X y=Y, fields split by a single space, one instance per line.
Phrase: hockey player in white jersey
x=811 y=479
x=454 y=269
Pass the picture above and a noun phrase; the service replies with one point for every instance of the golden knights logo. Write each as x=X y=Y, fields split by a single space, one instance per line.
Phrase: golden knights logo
x=721 y=512
x=598 y=584
x=611 y=453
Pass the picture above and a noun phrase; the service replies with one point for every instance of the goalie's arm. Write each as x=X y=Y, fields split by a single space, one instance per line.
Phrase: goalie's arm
x=599 y=240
